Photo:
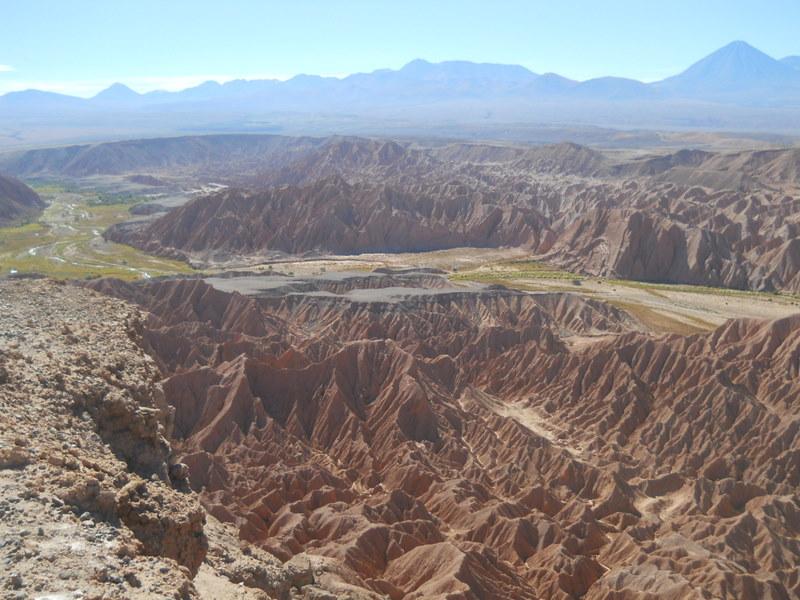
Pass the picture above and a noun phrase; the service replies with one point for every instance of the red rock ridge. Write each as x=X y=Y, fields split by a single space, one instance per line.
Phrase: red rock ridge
x=452 y=445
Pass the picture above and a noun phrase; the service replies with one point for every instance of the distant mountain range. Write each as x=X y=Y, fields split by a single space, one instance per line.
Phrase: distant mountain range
x=736 y=87
x=737 y=73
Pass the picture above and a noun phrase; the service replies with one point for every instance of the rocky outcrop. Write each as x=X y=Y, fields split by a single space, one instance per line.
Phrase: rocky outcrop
x=82 y=403
x=91 y=496
x=634 y=245
x=169 y=527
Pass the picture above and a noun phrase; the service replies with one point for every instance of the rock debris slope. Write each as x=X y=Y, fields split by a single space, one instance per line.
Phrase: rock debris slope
x=93 y=503
x=455 y=444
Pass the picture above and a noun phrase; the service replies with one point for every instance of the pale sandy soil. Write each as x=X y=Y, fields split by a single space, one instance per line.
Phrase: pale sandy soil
x=454 y=259
x=662 y=507
x=680 y=310
x=210 y=586
x=528 y=416
x=661 y=308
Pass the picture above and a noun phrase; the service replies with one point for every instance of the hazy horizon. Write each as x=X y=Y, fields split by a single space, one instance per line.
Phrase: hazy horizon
x=184 y=83
x=82 y=48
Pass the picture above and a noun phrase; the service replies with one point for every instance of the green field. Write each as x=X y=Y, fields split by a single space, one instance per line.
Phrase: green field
x=515 y=269
x=66 y=242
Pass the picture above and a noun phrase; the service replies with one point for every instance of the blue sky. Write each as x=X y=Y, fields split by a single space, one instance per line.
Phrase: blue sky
x=81 y=46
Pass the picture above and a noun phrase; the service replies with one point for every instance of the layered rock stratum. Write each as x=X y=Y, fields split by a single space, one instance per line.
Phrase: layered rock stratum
x=485 y=443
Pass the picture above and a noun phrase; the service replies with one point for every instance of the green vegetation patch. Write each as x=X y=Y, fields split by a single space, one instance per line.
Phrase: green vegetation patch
x=506 y=271
x=116 y=198
x=67 y=244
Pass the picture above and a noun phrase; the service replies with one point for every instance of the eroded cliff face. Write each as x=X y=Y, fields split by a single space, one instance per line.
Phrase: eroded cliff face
x=487 y=443
x=729 y=220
